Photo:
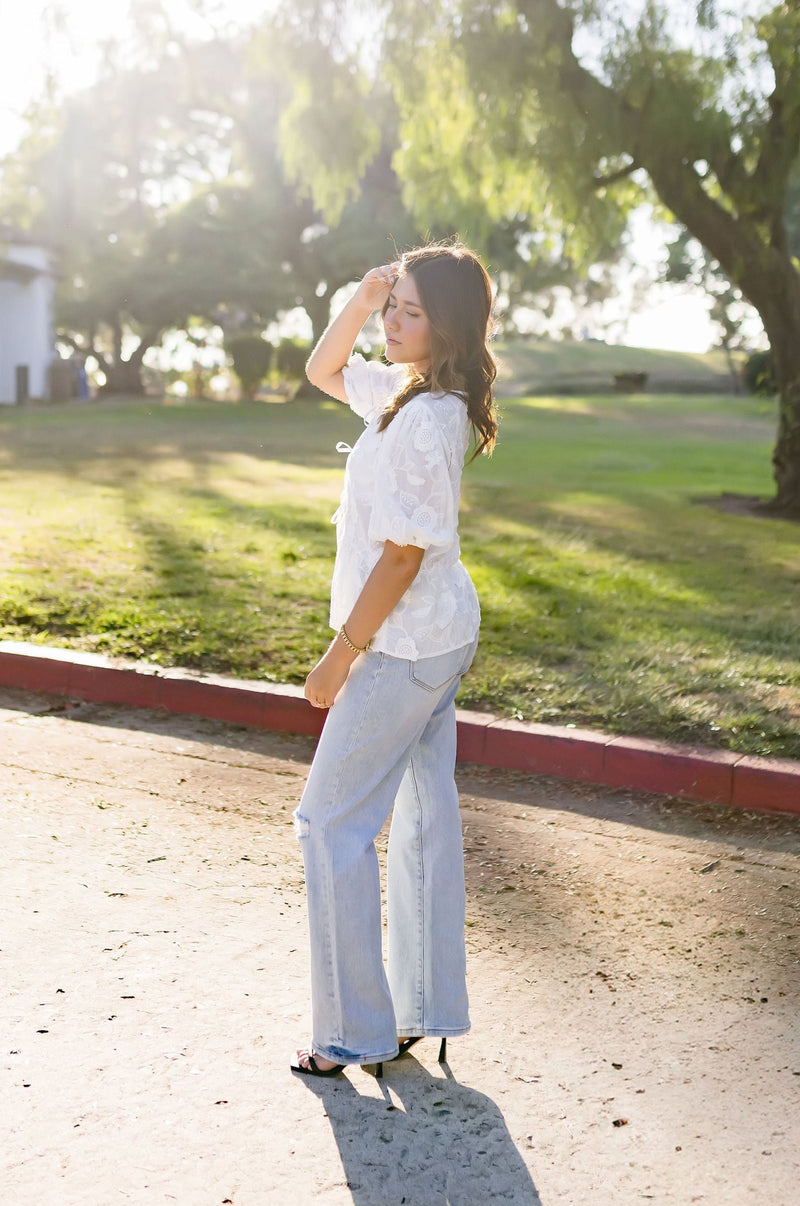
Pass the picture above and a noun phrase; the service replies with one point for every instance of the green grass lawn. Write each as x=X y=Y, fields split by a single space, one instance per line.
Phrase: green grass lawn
x=198 y=534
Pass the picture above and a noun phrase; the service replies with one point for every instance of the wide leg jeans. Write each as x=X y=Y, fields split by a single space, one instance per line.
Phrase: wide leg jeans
x=389 y=741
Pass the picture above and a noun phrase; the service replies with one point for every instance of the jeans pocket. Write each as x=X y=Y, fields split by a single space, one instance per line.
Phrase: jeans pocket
x=433 y=673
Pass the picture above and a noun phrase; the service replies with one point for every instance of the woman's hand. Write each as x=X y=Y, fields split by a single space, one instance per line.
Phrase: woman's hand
x=377 y=285
x=329 y=675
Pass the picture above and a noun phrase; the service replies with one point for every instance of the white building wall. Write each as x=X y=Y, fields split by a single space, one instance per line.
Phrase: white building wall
x=26 y=321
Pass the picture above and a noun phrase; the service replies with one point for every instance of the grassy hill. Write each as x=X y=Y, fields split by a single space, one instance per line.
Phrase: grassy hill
x=541 y=366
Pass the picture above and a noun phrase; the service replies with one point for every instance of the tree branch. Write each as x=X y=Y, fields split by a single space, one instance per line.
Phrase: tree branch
x=555 y=27
x=613 y=177
x=116 y=335
x=99 y=356
x=781 y=137
x=72 y=342
x=150 y=337
x=85 y=348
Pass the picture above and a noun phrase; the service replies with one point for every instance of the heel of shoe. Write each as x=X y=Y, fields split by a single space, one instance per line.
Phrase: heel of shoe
x=443 y=1051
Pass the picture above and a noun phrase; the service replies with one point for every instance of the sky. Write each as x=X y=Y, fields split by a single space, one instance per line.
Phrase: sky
x=31 y=47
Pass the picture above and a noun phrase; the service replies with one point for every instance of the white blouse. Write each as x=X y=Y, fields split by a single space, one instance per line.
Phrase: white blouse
x=403 y=485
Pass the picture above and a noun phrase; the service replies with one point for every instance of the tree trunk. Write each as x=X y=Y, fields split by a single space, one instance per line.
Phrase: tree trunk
x=318 y=310
x=785 y=344
x=786 y=456
x=123 y=377
x=775 y=292
x=733 y=372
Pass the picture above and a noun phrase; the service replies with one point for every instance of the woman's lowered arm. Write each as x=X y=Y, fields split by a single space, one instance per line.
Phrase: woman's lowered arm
x=393 y=573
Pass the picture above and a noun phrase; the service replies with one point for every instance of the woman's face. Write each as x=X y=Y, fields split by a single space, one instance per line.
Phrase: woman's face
x=406 y=326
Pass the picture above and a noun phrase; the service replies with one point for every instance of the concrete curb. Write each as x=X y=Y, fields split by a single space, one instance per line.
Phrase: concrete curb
x=712 y=776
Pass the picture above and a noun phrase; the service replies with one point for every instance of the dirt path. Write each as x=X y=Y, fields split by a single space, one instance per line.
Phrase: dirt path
x=635 y=974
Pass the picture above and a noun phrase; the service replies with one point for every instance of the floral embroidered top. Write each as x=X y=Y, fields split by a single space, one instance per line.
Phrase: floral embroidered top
x=403 y=484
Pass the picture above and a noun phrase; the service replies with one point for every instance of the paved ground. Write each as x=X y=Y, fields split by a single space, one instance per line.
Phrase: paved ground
x=635 y=975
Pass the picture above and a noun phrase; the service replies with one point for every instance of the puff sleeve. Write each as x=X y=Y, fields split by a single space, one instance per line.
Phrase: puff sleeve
x=370 y=385
x=415 y=497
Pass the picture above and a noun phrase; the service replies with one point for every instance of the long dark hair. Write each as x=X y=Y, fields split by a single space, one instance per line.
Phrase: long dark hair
x=456 y=295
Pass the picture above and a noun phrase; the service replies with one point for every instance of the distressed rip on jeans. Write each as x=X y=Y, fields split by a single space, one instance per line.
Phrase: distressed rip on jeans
x=301 y=825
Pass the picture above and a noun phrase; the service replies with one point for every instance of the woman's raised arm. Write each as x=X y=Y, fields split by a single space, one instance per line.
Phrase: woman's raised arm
x=325 y=364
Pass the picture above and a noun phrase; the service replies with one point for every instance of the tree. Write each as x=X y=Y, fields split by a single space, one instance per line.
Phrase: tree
x=252 y=357
x=341 y=146
x=571 y=114
x=580 y=110
x=96 y=177
x=166 y=191
x=354 y=215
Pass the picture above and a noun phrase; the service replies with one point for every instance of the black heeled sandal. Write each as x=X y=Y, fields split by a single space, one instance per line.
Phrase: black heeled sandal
x=409 y=1042
x=313 y=1069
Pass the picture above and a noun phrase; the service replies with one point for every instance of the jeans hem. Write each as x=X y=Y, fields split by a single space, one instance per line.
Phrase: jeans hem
x=433 y=1031
x=354 y=1060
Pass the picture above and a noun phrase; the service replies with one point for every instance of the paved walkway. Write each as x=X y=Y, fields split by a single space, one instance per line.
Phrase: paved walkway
x=635 y=975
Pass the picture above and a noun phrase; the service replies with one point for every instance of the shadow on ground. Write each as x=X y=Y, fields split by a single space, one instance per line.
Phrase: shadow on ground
x=428 y=1141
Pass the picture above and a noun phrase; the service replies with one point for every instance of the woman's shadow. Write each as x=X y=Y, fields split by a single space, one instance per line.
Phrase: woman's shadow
x=426 y=1141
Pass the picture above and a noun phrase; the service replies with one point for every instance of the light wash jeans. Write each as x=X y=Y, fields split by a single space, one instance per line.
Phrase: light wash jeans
x=389 y=740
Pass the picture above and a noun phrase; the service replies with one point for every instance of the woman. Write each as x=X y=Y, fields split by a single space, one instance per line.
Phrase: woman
x=406 y=619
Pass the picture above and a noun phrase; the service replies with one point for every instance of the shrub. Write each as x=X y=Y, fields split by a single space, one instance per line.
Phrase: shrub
x=251 y=356
x=758 y=374
x=289 y=359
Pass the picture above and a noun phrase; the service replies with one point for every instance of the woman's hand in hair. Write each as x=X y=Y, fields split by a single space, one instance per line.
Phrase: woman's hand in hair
x=377 y=285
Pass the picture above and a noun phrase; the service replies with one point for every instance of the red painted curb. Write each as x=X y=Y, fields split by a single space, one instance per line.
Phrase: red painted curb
x=767 y=784
x=546 y=750
x=711 y=776
x=682 y=771
x=471 y=735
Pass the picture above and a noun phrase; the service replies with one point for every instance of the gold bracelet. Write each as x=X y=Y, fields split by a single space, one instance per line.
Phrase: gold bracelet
x=350 y=644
